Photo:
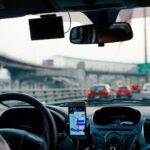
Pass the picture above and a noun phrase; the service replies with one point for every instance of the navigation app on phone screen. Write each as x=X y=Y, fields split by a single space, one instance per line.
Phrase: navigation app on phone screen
x=77 y=119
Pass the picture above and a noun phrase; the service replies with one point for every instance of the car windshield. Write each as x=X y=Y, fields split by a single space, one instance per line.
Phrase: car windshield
x=95 y=88
x=56 y=71
x=123 y=87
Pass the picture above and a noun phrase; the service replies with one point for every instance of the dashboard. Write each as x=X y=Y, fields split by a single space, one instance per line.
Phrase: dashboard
x=118 y=127
x=113 y=127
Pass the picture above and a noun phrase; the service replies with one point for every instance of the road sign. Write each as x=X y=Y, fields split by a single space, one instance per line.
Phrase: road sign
x=144 y=67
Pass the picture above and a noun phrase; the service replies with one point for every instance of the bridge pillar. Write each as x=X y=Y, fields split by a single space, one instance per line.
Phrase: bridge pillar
x=91 y=79
x=81 y=77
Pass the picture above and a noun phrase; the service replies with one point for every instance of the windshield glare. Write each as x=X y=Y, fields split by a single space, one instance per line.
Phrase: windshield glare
x=56 y=71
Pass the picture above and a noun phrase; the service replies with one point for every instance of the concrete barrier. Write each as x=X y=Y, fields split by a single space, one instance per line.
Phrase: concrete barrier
x=51 y=96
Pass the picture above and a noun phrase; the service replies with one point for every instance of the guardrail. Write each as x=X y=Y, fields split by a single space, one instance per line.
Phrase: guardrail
x=52 y=96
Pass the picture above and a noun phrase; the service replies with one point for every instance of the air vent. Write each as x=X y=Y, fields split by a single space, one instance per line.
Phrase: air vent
x=147 y=131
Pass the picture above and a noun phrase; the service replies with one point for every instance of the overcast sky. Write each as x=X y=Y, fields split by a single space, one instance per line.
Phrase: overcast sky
x=15 y=41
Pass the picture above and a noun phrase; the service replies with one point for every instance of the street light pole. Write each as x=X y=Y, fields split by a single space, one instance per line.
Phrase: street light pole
x=145 y=43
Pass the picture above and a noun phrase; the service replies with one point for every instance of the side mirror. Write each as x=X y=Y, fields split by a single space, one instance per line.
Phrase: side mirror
x=91 y=34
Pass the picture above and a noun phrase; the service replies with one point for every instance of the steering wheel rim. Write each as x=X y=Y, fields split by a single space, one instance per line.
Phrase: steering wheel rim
x=50 y=132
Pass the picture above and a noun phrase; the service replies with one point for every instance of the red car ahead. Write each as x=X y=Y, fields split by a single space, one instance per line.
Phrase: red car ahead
x=124 y=91
x=99 y=91
x=136 y=89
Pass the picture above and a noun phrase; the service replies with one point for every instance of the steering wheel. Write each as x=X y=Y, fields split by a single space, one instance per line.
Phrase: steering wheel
x=23 y=140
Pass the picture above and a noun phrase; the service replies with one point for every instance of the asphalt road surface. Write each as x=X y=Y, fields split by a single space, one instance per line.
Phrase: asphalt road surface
x=140 y=95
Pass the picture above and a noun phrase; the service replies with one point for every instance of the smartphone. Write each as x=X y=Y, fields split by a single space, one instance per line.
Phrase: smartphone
x=77 y=119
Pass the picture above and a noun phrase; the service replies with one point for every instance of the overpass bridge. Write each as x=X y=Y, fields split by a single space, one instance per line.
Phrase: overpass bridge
x=79 y=72
x=22 y=71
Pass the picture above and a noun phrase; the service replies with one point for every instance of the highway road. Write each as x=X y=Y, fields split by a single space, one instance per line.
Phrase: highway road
x=140 y=95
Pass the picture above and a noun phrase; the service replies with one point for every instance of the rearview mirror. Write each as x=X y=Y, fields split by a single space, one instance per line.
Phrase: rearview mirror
x=91 y=34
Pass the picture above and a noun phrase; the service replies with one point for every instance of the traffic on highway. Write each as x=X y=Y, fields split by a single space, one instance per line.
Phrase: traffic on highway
x=104 y=91
x=75 y=75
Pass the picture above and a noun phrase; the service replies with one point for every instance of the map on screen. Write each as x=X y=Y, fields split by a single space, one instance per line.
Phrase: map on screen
x=77 y=123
